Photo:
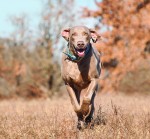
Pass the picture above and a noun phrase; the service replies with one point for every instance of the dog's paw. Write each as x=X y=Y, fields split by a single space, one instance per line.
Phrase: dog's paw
x=85 y=108
x=80 y=125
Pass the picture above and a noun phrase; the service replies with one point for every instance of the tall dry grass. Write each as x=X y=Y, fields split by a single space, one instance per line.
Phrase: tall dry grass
x=117 y=117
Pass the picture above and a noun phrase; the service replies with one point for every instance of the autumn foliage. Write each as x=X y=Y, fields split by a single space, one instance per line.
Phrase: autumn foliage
x=29 y=65
x=125 y=44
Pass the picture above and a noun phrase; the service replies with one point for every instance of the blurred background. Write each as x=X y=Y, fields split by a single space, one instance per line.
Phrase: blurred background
x=31 y=45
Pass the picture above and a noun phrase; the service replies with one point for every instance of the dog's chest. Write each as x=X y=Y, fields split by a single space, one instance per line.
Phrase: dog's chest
x=76 y=75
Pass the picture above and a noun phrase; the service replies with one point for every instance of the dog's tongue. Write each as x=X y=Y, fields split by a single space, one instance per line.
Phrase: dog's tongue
x=81 y=54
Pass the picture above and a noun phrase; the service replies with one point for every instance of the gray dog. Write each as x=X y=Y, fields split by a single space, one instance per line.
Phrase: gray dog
x=81 y=68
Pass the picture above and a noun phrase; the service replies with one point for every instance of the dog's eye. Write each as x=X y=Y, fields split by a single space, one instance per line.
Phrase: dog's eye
x=74 y=34
x=85 y=34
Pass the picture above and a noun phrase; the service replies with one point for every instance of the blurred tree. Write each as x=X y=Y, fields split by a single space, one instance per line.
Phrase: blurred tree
x=31 y=69
x=127 y=32
x=21 y=29
x=53 y=19
x=55 y=15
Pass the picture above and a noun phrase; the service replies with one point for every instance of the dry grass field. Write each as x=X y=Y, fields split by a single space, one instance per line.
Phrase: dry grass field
x=117 y=117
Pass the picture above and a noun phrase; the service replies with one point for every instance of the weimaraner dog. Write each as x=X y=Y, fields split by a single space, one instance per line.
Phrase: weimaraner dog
x=81 y=68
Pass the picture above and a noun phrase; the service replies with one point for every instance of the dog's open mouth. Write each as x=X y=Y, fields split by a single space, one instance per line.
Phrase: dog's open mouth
x=80 y=52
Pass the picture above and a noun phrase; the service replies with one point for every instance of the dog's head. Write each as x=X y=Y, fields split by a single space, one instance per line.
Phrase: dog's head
x=79 y=39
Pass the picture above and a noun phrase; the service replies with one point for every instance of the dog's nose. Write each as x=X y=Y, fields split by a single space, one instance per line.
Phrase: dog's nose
x=80 y=44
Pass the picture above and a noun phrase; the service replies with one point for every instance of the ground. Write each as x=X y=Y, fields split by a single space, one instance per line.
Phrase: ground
x=117 y=116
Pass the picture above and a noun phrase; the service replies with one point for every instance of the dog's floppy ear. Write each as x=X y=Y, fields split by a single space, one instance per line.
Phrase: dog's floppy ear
x=65 y=33
x=94 y=35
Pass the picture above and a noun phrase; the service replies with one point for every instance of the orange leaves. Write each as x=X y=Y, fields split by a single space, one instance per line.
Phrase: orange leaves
x=126 y=41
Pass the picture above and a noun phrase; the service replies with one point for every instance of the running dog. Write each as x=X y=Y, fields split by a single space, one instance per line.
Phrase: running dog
x=81 y=68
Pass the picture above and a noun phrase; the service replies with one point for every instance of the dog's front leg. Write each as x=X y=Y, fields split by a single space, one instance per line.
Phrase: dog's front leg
x=87 y=106
x=73 y=97
x=75 y=100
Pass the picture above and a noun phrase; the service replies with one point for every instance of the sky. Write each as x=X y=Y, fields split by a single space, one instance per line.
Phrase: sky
x=31 y=8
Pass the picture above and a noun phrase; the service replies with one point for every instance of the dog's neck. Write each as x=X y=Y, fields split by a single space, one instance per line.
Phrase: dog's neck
x=73 y=57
